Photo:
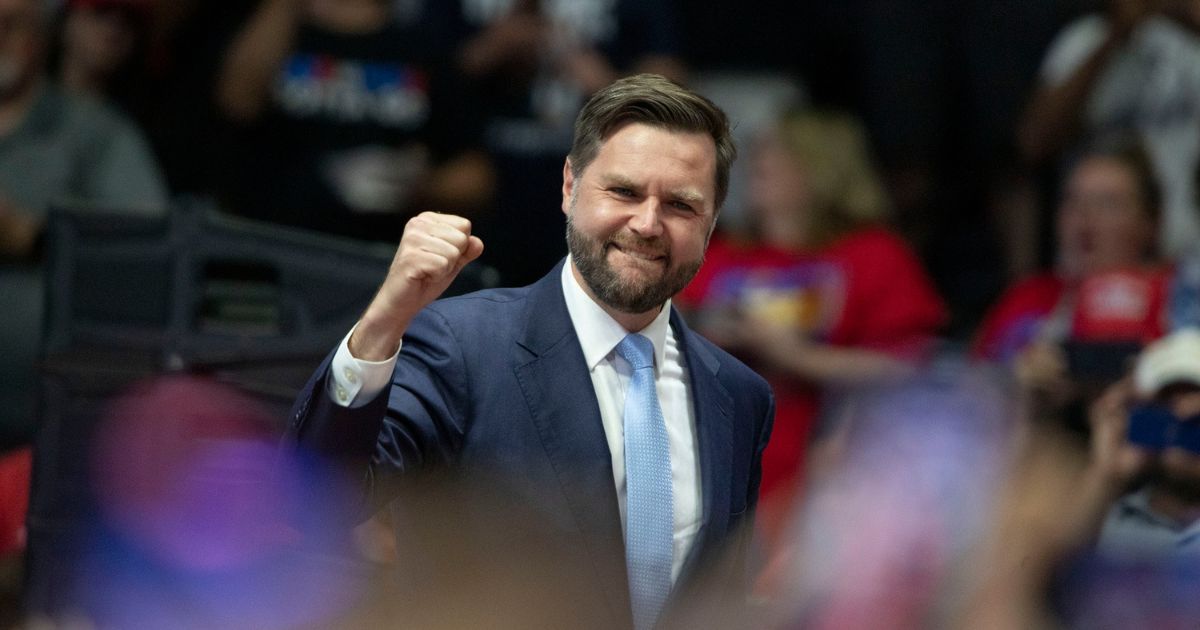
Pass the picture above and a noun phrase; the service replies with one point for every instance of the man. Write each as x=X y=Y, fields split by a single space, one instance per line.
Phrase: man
x=539 y=390
x=532 y=64
x=1161 y=517
x=55 y=149
x=1133 y=68
x=351 y=115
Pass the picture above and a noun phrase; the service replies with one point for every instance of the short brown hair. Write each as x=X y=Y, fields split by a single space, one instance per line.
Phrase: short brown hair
x=657 y=101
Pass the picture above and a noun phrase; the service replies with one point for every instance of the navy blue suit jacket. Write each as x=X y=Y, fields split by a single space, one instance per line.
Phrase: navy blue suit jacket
x=495 y=382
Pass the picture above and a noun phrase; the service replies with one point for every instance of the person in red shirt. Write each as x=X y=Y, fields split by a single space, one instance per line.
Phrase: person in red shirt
x=1107 y=239
x=823 y=297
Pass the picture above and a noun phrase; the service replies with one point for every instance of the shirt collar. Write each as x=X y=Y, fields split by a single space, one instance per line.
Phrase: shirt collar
x=599 y=333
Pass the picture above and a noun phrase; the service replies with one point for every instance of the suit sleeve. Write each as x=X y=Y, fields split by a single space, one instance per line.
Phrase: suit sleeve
x=766 y=422
x=416 y=423
x=745 y=565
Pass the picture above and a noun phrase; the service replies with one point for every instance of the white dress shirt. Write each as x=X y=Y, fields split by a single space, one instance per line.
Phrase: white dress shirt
x=355 y=382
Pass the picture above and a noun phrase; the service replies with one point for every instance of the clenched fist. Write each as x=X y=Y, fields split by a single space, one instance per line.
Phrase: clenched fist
x=433 y=250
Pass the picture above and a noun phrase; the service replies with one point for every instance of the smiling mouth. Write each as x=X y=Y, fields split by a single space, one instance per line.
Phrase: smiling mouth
x=654 y=257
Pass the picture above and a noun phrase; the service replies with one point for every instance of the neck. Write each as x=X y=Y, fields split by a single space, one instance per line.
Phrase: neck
x=77 y=78
x=631 y=322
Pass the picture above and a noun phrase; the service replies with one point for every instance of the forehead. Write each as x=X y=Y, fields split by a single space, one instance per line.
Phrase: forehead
x=1104 y=170
x=647 y=154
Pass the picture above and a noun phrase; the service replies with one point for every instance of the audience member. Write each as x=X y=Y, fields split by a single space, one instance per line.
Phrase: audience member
x=826 y=297
x=1151 y=428
x=1103 y=538
x=1135 y=68
x=101 y=49
x=55 y=148
x=193 y=139
x=535 y=62
x=1104 y=297
x=352 y=116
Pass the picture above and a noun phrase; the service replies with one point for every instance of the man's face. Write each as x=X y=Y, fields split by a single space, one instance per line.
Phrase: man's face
x=100 y=36
x=1179 y=469
x=780 y=195
x=20 y=43
x=1102 y=223
x=639 y=216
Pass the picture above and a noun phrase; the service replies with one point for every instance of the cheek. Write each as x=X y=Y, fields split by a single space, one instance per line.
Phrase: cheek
x=1182 y=463
x=1067 y=222
x=1186 y=405
x=688 y=242
x=592 y=227
x=1132 y=232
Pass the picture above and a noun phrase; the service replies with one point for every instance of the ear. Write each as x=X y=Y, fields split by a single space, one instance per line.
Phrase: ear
x=568 y=186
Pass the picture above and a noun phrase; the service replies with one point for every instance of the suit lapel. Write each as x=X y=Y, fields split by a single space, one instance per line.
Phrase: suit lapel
x=562 y=402
x=713 y=408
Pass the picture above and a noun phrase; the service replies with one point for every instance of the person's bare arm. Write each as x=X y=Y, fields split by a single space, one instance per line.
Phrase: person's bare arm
x=518 y=37
x=787 y=350
x=255 y=57
x=1054 y=116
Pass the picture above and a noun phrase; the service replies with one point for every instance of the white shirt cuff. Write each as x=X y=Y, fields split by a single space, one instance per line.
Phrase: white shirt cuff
x=354 y=381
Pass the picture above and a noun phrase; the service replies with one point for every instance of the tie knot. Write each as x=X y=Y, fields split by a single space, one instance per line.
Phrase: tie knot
x=637 y=350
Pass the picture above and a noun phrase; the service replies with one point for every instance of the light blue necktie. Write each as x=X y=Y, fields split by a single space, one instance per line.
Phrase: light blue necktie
x=650 y=511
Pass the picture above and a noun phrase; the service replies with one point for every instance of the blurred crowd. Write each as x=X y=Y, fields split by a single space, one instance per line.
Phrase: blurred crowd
x=962 y=243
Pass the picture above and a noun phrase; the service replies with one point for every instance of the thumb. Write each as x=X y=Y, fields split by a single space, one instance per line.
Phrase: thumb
x=474 y=248
x=473 y=251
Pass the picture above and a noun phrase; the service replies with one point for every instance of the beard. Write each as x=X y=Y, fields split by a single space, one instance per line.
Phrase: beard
x=606 y=283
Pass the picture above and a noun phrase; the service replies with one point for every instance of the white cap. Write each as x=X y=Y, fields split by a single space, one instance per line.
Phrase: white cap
x=1172 y=359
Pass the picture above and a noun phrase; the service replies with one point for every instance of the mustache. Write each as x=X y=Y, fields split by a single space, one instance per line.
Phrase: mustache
x=654 y=246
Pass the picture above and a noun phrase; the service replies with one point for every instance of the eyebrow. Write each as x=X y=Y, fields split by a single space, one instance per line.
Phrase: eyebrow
x=689 y=195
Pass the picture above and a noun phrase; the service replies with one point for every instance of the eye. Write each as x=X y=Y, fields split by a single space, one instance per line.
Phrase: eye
x=621 y=192
x=682 y=205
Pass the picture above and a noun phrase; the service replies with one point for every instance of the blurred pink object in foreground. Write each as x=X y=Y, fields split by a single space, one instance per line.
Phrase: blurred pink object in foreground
x=187 y=469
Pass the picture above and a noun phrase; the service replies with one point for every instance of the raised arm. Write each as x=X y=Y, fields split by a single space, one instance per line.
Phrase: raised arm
x=255 y=57
x=1054 y=116
x=411 y=413
x=433 y=250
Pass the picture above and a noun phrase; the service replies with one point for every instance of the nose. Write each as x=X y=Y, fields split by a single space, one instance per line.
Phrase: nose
x=646 y=218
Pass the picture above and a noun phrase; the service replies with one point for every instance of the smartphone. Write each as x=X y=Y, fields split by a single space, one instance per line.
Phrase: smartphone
x=1152 y=426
